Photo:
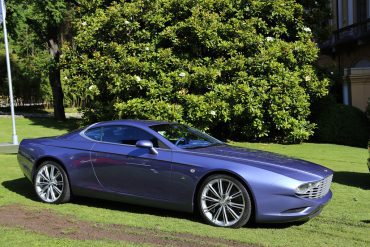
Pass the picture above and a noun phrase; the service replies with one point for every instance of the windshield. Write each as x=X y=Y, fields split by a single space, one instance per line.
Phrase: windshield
x=184 y=136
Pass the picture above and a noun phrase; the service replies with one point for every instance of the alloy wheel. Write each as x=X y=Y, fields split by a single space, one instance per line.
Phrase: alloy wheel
x=222 y=202
x=49 y=183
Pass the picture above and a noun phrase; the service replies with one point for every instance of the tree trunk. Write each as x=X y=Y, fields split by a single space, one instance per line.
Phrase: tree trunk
x=55 y=82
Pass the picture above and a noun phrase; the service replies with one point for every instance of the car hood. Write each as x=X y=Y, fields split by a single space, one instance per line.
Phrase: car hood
x=270 y=161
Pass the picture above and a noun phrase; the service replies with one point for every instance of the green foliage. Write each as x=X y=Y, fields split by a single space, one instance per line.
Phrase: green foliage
x=140 y=108
x=316 y=15
x=29 y=58
x=340 y=124
x=38 y=29
x=244 y=66
x=46 y=17
x=27 y=74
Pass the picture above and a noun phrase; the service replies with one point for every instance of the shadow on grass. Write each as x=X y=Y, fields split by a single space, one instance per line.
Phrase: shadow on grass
x=68 y=124
x=354 y=179
x=23 y=187
x=26 y=109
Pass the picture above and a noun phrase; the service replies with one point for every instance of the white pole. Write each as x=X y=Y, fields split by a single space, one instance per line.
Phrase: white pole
x=15 y=137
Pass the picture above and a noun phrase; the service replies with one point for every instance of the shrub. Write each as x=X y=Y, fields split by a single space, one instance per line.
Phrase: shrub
x=241 y=65
x=340 y=124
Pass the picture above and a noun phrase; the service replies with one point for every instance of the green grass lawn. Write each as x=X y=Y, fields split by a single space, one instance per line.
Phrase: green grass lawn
x=345 y=221
x=34 y=127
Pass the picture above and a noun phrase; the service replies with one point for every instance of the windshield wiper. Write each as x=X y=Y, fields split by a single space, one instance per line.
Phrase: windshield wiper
x=204 y=146
x=215 y=144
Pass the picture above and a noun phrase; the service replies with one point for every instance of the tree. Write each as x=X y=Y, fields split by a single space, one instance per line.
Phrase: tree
x=48 y=20
x=244 y=67
x=28 y=58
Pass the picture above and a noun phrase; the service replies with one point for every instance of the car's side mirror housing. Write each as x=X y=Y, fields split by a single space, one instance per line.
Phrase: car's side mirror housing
x=146 y=144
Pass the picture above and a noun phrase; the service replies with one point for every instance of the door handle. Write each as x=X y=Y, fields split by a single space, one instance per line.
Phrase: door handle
x=137 y=164
x=133 y=161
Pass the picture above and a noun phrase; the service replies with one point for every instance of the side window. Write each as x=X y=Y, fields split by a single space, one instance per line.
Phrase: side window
x=94 y=133
x=128 y=135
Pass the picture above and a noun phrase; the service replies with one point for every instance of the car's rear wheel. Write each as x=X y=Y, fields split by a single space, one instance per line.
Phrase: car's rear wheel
x=51 y=183
x=224 y=201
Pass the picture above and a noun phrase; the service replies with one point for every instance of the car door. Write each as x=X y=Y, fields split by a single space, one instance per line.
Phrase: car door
x=123 y=168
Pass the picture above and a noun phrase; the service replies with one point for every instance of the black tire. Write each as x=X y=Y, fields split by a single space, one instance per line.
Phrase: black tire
x=58 y=183
x=229 y=203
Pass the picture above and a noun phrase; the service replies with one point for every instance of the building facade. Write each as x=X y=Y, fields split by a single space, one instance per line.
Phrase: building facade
x=348 y=49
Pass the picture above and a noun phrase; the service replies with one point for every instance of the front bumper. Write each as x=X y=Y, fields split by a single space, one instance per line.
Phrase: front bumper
x=292 y=209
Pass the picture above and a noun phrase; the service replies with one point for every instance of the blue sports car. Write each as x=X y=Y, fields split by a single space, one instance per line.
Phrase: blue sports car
x=173 y=166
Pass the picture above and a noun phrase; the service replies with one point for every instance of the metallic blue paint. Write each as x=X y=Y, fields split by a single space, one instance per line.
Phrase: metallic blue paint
x=169 y=179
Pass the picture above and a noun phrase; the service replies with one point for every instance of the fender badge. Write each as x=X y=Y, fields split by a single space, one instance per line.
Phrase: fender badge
x=192 y=170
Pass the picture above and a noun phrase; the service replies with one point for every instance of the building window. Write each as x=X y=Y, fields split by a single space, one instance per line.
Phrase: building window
x=345 y=13
x=342 y=13
x=350 y=12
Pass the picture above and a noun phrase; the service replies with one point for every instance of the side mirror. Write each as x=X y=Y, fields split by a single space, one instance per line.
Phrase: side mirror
x=146 y=144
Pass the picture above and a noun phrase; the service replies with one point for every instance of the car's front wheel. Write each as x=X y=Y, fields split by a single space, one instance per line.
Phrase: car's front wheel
x=51 y=183
x=224 y=201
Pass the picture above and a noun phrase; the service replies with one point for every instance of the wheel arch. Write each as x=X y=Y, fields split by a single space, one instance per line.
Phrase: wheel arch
x=47 y=158
x=229 y=173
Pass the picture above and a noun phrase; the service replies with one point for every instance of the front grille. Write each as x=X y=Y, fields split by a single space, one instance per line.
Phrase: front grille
x=320 y=189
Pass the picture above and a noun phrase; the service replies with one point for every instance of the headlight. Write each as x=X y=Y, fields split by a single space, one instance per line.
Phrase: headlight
x=304 y=188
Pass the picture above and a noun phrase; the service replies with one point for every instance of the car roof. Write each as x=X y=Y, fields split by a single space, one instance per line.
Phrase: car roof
x=142 y=123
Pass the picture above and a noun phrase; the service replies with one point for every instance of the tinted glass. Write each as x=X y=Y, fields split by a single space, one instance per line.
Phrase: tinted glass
x=128 y=135
x=94 y=133
x=184 y=136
